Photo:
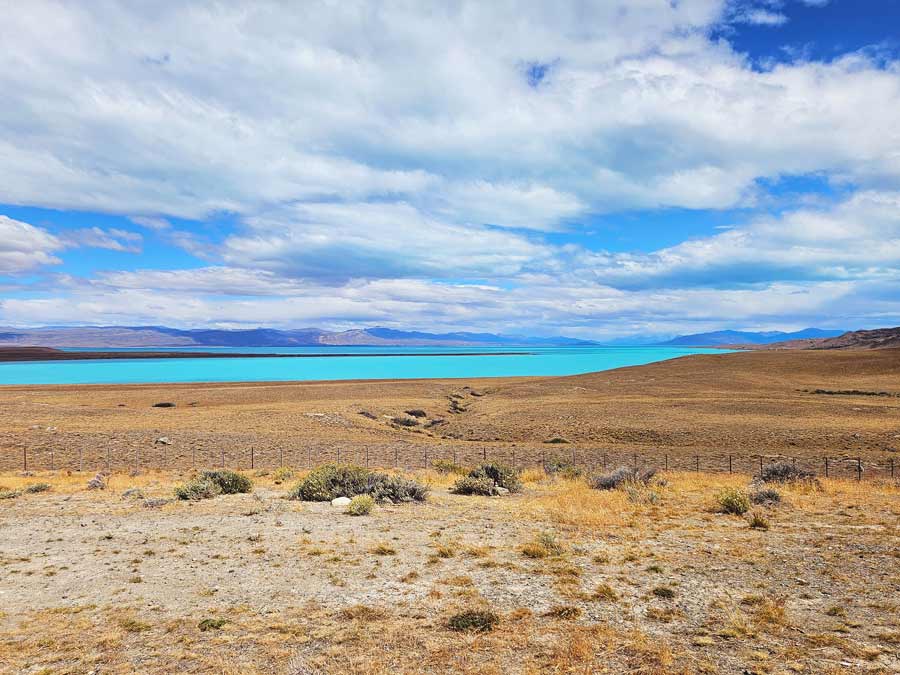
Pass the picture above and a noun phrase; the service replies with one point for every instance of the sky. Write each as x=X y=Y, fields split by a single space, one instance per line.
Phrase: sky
x=590 y=169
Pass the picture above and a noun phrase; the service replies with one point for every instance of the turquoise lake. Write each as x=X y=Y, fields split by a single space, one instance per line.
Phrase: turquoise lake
x=525 y=361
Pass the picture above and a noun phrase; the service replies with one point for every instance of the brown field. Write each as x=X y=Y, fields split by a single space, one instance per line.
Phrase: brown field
x=646 y=579
x=697 y=409
x=108 y=582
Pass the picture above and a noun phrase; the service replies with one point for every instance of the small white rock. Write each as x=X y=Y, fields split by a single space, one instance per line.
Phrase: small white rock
x=340 y=501
x=502 y=491
x=164 y=440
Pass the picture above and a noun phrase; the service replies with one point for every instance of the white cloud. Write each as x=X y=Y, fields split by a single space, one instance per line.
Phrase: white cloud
x=209 y=107
x=24 y=247
x=112 y=239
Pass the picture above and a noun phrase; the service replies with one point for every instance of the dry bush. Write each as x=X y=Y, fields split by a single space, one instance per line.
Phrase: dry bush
x=734 y=501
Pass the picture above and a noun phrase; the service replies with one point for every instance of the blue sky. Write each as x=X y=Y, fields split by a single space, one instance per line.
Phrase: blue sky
x=591 y=169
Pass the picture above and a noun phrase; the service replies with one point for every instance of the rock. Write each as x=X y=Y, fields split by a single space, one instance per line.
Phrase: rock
x=340 y=501
x=132 y=493
x=164 y=404
x=502 y=491
x=163 y=440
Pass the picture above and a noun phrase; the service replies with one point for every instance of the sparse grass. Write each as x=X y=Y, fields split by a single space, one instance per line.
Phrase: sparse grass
x=544 y=545
x=35 y=488
x=565 y=612
x=281 y=474
x=473 y=621
x=212 y=624
x=605 y=592
x=132 y=625
x=757 y=521
x=733 y=501
x=384 y=549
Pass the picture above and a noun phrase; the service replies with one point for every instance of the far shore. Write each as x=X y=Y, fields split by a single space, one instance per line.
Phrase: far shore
x=20 y=354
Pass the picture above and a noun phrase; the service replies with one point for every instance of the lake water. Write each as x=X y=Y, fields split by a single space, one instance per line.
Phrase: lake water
x=525 y=361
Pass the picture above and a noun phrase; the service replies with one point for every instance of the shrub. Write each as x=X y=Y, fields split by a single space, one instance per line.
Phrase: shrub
x=544 y=545
x=556 y=440
x=338 y=480
x=37 y=487
x=621 y=476
x=766 y=496
x=664 y=592
x=361 y=505
x=395 y=489
x=502 y=476
x=211 y=624
x=732 y=500
x=784 y=472
x=473 y=621
x=197 y=489
x=562 y=468
x=758 y=521
x=406 y=421
x=467 y=485
x=229 y=482
x=164 y=404
x=98 y=482
x=416 y=413
x=9 y=494
x=281 y=474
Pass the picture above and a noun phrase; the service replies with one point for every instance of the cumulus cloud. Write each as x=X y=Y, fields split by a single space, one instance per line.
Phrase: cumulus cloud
x=24 y=247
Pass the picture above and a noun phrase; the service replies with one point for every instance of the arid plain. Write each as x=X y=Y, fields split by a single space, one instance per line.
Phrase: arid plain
x=648 y=580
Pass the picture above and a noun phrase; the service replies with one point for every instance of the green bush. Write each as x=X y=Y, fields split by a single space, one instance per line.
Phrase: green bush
x=785 y=472
x=732 y=500
x=473 y=621
x=37 y=487
x=340 y=480
x=229 y=482
x=502 y=476
x=9 y=494
x=467 y=485
x=766 y=496
x=624 y=475
x=197 y=489
x=361 y=505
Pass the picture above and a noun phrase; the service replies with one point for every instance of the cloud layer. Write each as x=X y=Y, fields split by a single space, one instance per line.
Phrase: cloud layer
x=383 y=163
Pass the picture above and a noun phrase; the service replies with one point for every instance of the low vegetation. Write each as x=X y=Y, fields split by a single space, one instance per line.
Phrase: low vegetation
x=785 y=472
x=487 y=478
x=734 y=501
x=361 y=505
x=473 y=621
x=344 y=480
x=623 y=476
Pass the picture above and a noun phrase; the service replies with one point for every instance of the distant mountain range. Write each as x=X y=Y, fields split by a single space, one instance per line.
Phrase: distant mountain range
x=879 y=338
x=161 y=336
x=736 y=337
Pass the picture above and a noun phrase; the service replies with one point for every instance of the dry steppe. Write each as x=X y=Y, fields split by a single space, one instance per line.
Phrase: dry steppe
x=649 y=580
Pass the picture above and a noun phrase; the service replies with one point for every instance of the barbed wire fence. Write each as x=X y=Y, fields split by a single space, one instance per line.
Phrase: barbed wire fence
x=163 y=454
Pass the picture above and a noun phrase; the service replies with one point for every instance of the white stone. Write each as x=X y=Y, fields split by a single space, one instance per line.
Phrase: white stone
x=502 y=491
x=340 y=501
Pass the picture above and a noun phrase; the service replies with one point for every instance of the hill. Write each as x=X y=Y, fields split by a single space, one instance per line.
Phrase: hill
x=161 y=336
x=879 y=338
x=736 y=337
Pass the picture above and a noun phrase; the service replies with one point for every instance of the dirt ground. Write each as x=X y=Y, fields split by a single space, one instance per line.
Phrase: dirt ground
x=113 y=581
x=710 y=411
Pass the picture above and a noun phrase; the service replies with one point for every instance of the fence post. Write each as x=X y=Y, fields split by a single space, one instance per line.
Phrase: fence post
x=223 y=459
x=826 y=466
x=634 y=460
x=858 y=468
x=51 y=461
x=426 y=456
x=252 y=458
x=760 y=464
x=454 y=456
x=729 y=464
x=667 y=461
x=484 y=453
x=396 y=456
x=367 y=456
x=24 y=458
x=892 y=467
x=108 y=464
x=514 y=459
x=697 y=457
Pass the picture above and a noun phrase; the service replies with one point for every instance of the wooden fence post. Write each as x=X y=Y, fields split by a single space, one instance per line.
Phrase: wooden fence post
x=858 y=468
x=826 y=466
